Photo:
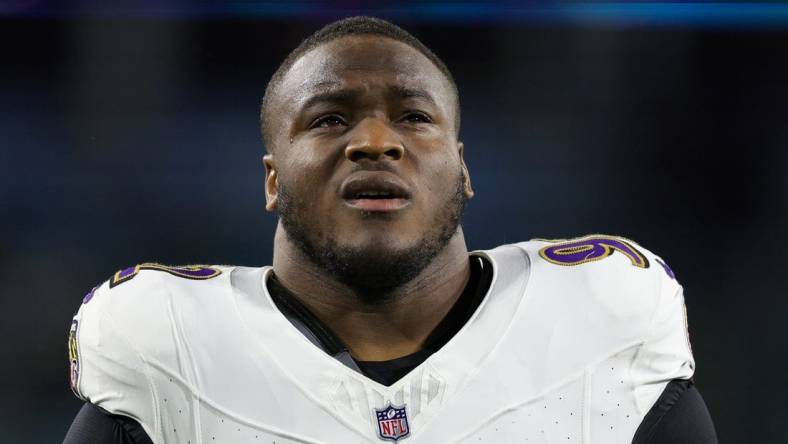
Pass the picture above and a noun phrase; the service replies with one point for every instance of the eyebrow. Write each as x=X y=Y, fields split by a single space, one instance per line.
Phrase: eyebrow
x=402 y=92
x=336 y=95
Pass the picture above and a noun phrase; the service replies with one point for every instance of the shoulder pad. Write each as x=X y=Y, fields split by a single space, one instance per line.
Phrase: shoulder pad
x=619 y=294
x=624 y=278
x=125 y=324
x=600 y=247
x=196 y=272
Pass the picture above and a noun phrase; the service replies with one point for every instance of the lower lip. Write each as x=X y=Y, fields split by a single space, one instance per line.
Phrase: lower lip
x=378 y=205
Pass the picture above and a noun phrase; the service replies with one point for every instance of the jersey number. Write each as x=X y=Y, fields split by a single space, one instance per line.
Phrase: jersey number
x=592 y=248
x=199 y=272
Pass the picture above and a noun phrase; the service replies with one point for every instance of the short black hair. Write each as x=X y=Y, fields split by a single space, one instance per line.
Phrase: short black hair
x=360 y=25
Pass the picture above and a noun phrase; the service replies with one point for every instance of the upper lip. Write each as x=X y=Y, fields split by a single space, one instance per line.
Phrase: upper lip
x=374 y=183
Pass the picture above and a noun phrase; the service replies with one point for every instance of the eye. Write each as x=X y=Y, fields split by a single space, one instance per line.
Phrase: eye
x=416 y=117
x=327 y=121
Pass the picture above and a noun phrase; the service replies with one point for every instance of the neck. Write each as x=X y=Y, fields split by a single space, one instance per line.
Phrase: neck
x=380 y=331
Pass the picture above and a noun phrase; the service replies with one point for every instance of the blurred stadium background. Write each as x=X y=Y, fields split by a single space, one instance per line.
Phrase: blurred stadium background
x=129 y=133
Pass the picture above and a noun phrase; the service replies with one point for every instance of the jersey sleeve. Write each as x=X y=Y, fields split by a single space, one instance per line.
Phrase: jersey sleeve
x=630 y=297
x=112 y=344
x=665 y=354
x=91 y=425
x=679 y=416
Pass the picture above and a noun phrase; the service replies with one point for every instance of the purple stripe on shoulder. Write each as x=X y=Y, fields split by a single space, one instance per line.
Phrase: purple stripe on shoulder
x=90 y=294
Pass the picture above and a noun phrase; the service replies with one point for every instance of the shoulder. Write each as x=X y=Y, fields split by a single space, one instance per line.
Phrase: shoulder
x=143 y=291
x=150 y=280
x=600 y=297
x=602 y=257
x=612 y=273
x=126 y=322
x=156 y=274
x=597 y=254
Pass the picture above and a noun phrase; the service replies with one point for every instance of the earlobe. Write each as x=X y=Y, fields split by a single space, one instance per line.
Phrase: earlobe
x=271 y=183
x=466 y=176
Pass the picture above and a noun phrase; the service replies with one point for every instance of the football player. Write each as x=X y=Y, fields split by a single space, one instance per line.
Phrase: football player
x=374 y=322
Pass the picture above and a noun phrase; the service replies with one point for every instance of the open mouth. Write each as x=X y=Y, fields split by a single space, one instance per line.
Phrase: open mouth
x=375 y=191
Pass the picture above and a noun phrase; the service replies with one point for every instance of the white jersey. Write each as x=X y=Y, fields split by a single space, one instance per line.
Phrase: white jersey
x=572 y=344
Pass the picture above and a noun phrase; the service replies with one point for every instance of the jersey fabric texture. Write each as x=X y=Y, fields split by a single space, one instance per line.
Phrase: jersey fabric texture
x=678 y=417
x=557 y=351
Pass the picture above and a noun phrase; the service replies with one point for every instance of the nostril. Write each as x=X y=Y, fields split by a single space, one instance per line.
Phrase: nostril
x=394 y=153
x=357 y=155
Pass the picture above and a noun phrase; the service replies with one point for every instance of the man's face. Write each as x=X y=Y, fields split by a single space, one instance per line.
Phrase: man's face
x=367 y=174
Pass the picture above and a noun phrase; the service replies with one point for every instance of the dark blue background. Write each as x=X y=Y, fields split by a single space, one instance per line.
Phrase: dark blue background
x=131 y=135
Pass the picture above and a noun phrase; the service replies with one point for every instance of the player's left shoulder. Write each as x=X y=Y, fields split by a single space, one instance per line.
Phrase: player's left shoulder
x=614 y=269
x=595 y=254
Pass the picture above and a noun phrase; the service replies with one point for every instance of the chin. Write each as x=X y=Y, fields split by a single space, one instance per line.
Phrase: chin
x=373 y=253
x=386 y=242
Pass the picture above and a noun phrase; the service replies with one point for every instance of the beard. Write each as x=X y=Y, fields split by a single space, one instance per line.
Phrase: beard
x=373 y=272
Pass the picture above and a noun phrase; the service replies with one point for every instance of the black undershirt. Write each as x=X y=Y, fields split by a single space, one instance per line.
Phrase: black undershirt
x=389 y=372
x=678 y=417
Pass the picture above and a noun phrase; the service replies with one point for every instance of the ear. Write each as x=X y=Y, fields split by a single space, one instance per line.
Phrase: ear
x=466 y=182
x=271 y=183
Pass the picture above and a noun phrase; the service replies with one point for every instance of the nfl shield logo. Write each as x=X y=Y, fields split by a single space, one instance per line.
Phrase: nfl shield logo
x=392 y=423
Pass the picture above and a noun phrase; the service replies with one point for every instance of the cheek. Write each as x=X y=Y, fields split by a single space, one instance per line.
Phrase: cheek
x=301 y=164
x=308 y=176
x=439 y=175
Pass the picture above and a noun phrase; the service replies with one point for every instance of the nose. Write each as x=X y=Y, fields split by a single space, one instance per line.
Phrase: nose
x=372 y=139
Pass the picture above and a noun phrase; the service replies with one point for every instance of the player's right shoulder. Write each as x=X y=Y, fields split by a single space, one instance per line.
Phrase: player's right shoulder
x=126 y=324
x=108 y=332
x=130 y=298
x=141 y=292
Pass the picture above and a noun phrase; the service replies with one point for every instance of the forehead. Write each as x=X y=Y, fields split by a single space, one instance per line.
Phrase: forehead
x=362 y=61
